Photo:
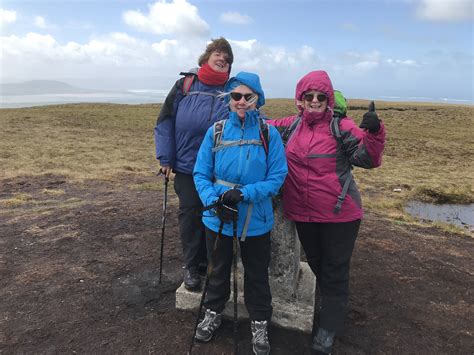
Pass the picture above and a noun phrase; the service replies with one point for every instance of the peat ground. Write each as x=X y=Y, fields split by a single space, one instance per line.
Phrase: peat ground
x=79 y=274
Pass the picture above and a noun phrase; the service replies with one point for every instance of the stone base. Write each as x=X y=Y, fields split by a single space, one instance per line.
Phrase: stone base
x=292 y=313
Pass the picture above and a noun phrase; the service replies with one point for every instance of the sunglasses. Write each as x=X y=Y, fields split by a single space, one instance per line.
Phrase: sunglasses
x=319 y=97
x=237 y=96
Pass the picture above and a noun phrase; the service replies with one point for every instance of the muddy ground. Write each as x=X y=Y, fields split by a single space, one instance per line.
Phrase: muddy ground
x=79 y=274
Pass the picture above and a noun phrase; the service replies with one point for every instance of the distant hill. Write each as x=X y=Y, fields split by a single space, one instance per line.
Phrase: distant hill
x=38 y=87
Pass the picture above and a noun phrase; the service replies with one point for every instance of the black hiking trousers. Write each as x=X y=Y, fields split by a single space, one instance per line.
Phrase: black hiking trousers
x=191 y=228
x=255 y=254
x=328 y=248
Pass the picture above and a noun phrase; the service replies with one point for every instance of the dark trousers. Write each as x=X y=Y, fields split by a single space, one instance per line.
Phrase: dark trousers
x=191 y=228
x=255 y=253
x=328 y=248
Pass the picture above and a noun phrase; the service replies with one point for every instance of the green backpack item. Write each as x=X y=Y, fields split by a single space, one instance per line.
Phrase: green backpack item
x=340 y=104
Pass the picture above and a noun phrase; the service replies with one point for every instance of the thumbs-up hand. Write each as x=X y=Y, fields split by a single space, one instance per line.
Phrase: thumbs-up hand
x=370 y=120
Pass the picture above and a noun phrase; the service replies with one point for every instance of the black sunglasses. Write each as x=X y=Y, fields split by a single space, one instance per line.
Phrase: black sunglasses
x=236 y=96
x=320 y=97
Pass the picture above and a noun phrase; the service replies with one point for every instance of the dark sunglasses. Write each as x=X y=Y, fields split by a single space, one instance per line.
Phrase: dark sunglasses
x=236 y=96
x=319 y=97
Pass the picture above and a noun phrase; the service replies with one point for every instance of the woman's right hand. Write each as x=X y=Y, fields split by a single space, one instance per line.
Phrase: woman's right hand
x=165 y=170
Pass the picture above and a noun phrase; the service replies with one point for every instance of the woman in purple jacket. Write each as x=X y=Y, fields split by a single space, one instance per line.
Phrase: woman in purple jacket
x=321 y=197
x=190 y=108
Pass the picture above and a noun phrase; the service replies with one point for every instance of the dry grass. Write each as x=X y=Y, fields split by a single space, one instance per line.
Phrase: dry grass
x=79 y=141
x=428 y=155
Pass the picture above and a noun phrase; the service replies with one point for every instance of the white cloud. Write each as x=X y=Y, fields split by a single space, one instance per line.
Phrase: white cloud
x=406 y=62
x=40 y=22
x=366 y=65
x=7 y=16
x=446 y=10
x=235 y=18
x=176 y=18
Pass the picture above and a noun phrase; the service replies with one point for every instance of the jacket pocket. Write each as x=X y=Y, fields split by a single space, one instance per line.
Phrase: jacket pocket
x=322 y=164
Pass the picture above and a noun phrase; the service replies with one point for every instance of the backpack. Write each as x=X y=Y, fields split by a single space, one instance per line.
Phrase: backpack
x=188 y=82
x=340 y=104
x=219 y=129
x=340 y=111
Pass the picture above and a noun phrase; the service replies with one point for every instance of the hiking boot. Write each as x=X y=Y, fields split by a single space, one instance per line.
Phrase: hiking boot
x=192 y=281
x=205 y=330
x=260 y=343
x=323 y=341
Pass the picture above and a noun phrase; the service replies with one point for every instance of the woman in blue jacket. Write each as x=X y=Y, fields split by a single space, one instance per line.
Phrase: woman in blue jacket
x=243 y=171
x=190 y=108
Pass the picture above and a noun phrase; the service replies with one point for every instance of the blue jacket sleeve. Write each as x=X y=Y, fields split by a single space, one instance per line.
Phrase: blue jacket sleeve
x=164 y=133
x=204 y=170
x=277 y=170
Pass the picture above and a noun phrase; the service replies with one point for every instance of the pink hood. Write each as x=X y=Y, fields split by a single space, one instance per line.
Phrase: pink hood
x=315 y=80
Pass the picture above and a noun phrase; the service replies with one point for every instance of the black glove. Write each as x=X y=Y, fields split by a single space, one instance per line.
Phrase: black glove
x=370 y=120
x=232 y=197
x=227 y=213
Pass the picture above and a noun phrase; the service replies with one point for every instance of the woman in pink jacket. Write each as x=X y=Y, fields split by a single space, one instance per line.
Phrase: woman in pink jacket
x=321 y=197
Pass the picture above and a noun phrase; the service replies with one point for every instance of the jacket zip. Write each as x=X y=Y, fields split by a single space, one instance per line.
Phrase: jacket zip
x=212 y=108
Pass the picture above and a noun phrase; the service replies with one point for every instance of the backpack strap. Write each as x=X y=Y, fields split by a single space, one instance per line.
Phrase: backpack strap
x=264 y=134
x=218 y=129
x=288 y=132
x=220 y=144
x=336 y=132
x=188 y=81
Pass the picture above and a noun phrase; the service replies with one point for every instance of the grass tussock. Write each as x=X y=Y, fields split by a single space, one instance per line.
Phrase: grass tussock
x=16 y=200
x=148 y=186
x=53 y=192
x=428 y=154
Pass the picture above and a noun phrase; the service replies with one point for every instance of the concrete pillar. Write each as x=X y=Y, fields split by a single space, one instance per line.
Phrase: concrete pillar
x=292 y=282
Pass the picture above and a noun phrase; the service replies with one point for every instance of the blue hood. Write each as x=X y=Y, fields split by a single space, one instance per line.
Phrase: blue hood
x=250 y=80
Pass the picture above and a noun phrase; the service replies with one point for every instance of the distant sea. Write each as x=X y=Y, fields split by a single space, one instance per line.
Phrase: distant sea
x=135 y=97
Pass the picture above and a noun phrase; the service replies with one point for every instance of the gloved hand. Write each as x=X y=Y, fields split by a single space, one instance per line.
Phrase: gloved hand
x=370 y=120
x=227 y=213
x=232 y=197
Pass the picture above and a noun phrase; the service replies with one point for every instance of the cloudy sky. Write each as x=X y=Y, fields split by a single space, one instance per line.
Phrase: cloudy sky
x=371 y=48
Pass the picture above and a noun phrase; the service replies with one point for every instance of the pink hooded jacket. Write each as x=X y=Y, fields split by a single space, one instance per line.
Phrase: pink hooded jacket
x=317 y=167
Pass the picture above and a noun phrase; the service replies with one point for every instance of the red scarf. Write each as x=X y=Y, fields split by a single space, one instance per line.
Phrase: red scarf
x=209 y=76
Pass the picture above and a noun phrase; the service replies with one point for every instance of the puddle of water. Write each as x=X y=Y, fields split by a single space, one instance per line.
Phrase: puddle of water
x=460 y=215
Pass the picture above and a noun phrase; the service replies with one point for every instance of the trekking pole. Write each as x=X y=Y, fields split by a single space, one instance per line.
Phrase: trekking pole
x=206 y=285
x=234 y=261
x=163 y=221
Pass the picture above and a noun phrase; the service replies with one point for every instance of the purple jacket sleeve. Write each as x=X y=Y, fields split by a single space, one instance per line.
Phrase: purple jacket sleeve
x=164 y=133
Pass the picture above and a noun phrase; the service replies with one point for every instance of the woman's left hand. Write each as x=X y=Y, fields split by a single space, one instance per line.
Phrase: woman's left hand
x=371 y=122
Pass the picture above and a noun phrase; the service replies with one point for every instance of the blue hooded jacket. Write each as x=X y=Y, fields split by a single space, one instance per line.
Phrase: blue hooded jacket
x=259 y=176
